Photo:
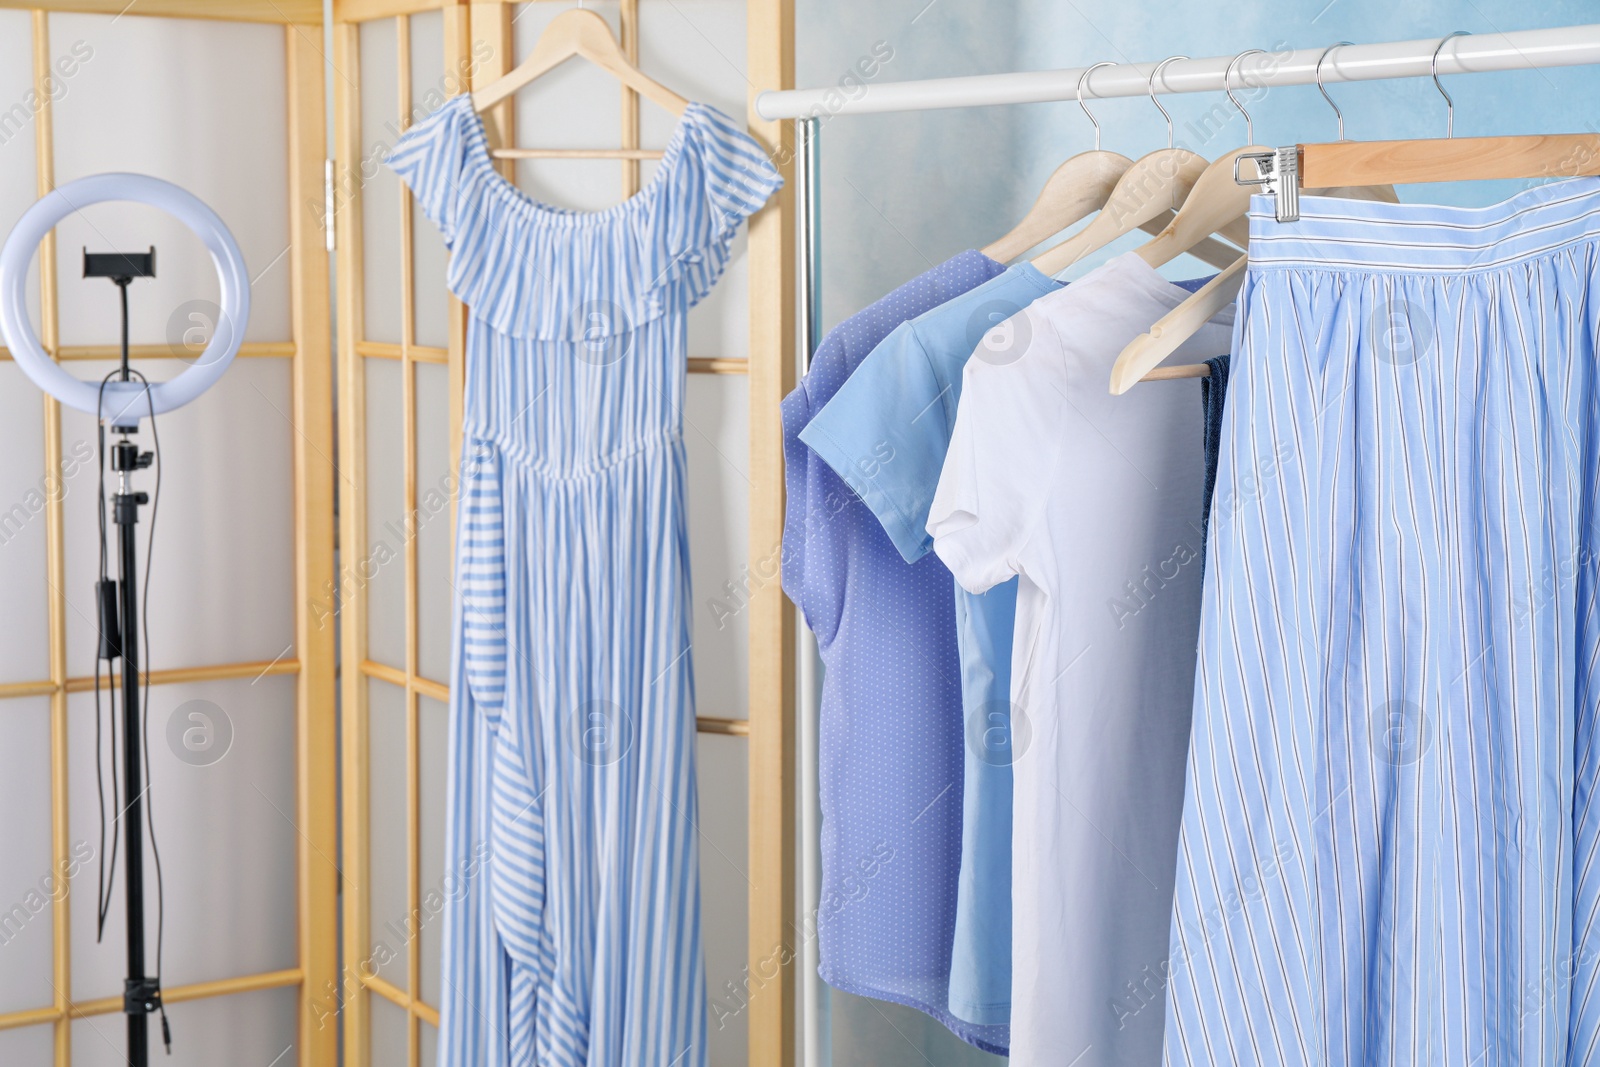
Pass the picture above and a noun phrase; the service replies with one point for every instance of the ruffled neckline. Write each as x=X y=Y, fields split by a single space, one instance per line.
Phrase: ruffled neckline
x=496 y=184
x=530 y=269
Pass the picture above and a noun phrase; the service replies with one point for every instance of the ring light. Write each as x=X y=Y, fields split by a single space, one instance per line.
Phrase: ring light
x=124 y=401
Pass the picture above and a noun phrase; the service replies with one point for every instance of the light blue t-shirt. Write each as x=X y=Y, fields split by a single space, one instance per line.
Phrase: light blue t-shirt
x=901 y=402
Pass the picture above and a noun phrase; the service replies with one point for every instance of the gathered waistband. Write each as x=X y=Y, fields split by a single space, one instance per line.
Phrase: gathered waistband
x=571 y=469
x=1365 y=236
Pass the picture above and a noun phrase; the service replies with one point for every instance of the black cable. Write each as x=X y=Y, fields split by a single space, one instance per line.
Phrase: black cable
x=144 y=654
x=104 y=886
x=122 y=287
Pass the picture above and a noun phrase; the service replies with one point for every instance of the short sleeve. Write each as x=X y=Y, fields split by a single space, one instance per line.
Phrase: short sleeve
x=730 y=179
x=885 y=433
x=1004 y=447
x=430 y=158
x=739 y=177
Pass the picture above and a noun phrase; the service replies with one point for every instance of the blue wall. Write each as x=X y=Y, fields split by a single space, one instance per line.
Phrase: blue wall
x=903 y=192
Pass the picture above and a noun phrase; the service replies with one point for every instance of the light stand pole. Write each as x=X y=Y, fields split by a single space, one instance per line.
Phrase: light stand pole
x=141 y=993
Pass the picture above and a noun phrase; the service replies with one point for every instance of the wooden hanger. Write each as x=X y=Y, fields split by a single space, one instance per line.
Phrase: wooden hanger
x=1147 y=190
x=1216 y=203
x=1461 y=159
x=1447 y=159
x=1078 y=188
x=1140 y=360
x=1143 y=196
x=580 y=33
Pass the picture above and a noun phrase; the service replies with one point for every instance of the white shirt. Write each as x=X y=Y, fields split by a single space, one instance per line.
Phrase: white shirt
x=1095 y=501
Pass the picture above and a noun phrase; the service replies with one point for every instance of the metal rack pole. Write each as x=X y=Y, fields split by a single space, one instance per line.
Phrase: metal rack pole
x=1560 y=46
x=815 y=1016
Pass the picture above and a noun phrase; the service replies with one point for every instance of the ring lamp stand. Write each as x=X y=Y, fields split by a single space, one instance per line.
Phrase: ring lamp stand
x=119 y=401
x=122 y=397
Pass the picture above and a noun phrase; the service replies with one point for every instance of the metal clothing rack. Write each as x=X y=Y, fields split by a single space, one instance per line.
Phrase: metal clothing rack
x=1562 y=46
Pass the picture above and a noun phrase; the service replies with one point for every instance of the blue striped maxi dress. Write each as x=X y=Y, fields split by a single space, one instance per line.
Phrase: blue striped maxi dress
x=572 y=914
x=1389 y=843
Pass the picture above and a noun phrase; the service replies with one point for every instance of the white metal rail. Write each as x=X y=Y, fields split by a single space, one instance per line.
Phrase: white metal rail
x=1561 y=46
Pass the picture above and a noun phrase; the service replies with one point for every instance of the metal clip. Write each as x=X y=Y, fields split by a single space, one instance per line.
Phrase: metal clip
x=1278 y=175
x=140 y=996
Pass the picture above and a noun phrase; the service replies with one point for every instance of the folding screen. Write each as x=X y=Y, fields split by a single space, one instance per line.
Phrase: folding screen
x=252 y=579
x=240 y=649
x=578 y=139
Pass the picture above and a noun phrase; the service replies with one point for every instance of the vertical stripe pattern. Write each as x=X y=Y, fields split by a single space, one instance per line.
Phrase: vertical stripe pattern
x=1388 y=853
x=572 y=921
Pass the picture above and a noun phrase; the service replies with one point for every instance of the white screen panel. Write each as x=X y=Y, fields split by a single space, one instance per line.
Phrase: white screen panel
x=716 y=436
x=30 y=883
x=19 y=183
x=429 y=90
x=388 y=1032
x=26 y=487
x=381 y=572
x=386 y=891
x=698 y=48
x=381 y=192
x=176 y=309
x=436 y=487
x=430 y=1045
x=226 y=147
x=720 y=324
x=574 y=106
x=222 y=774
x=245 y=1028
x=724 y=892
x=222 y=579
x=434 y=772
x=31 y=1044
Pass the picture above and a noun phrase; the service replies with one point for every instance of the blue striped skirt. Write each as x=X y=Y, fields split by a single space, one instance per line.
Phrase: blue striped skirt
x=1388 y=852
